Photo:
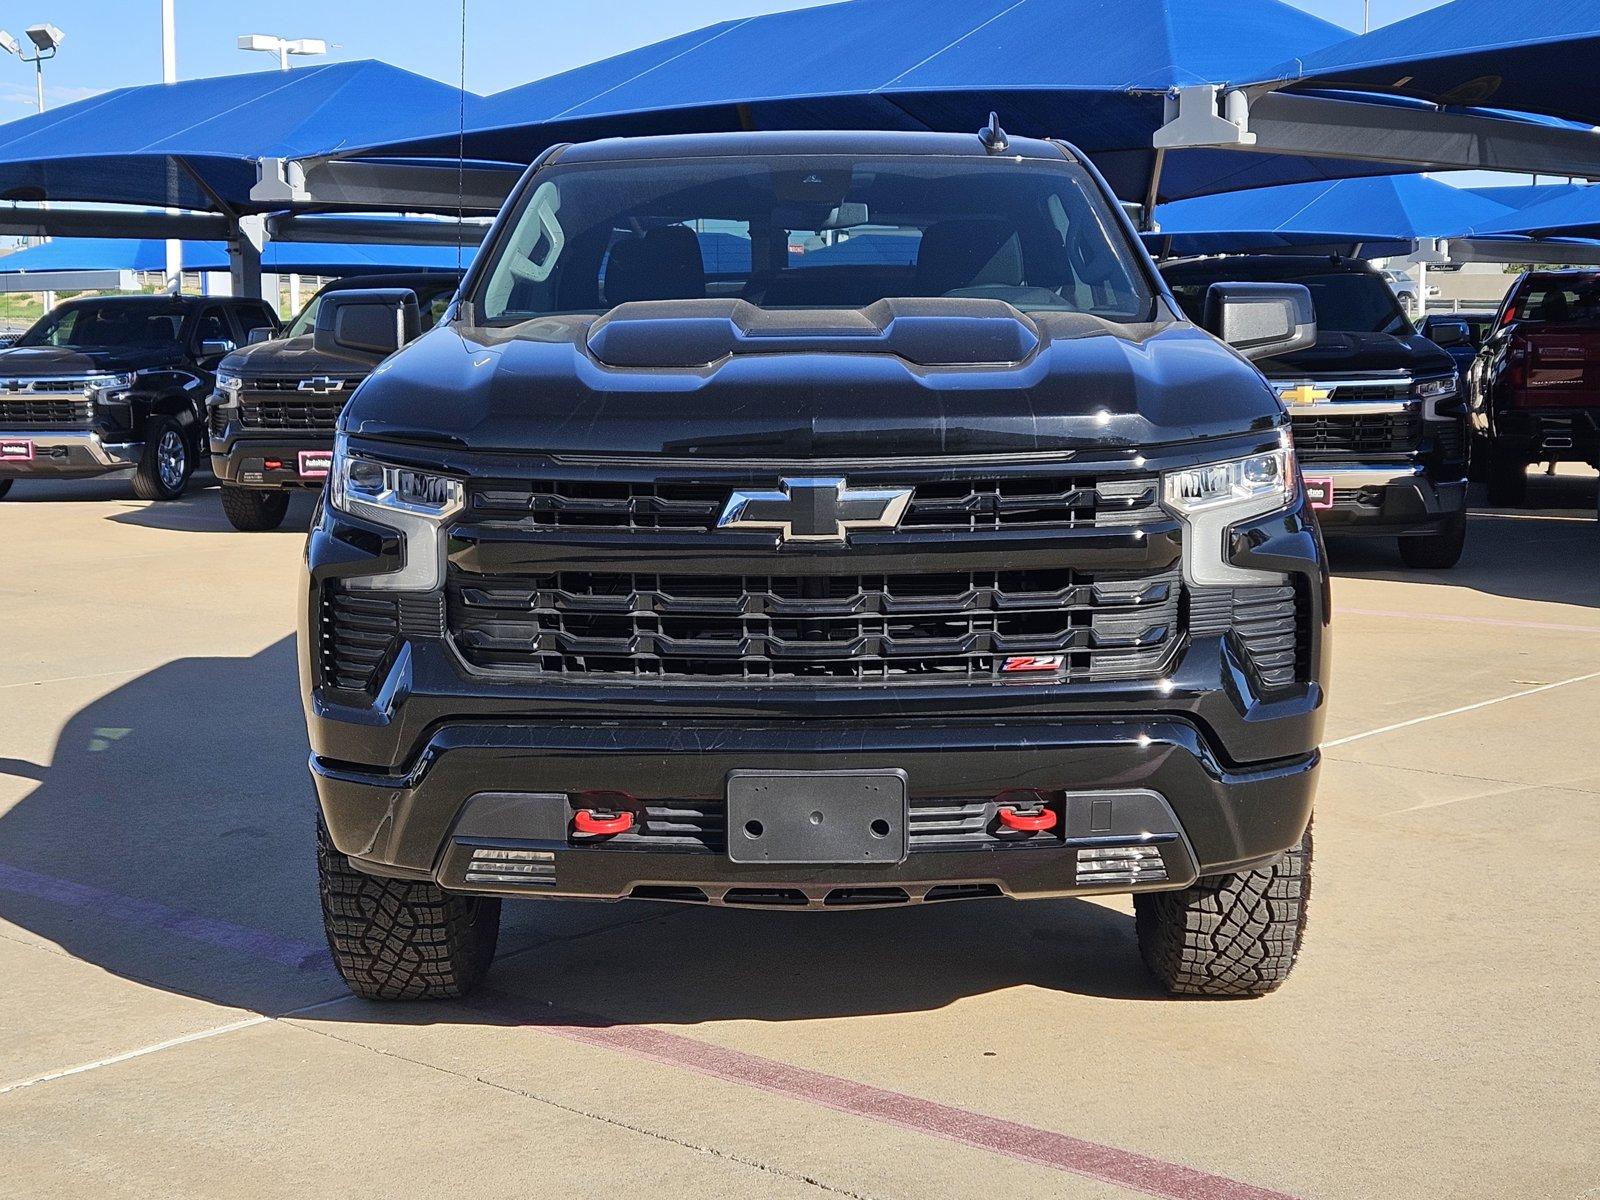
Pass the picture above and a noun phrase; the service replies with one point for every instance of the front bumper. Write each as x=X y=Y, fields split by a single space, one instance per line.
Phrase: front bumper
x=67 y=453
x=272 y=459
x=1386 y=499
x=1151 y=784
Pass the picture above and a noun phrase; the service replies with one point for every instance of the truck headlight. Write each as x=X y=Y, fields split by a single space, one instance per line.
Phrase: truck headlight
x=414 y=503
x=227 y=393
x=1436 y=389
x=111 y=389
x=1212 y=498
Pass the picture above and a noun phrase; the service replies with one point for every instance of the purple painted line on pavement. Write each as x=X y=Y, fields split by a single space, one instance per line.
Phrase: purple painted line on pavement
x=273 y=947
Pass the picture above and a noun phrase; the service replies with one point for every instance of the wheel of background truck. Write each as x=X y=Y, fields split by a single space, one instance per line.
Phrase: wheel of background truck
x=1228 y=935
x=252 y=510
x=1478 y=459
x=167 y=462
x=1508 y=479
x=5 y=486
x=394 y=939
x=1436 y=551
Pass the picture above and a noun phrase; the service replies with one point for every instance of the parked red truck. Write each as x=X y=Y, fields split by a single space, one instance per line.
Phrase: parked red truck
x=1534 y=393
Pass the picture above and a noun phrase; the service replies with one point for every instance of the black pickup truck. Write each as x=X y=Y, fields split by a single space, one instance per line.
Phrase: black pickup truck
x=815 y=581
x=277 y=401
x=1378 y=414
x=118 y=383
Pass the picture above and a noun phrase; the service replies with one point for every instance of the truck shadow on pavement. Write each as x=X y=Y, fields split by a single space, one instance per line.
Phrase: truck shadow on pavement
x=170 y=841
x=1547 y=554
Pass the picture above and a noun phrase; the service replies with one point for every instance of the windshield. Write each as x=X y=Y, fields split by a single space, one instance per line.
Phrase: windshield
x=1346 y=301
x=1555 y=302
x=99 y=325
x=433 y=306
x=802 y=232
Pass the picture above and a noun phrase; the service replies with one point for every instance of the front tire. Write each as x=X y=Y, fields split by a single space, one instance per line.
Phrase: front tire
x=1436 y=551
x=167 y=462
x=395 y=939
x=251 y=510
x=1228 y=935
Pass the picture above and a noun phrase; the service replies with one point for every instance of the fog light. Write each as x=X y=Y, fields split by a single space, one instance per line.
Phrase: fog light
x=1102 y=865
x=521 y=868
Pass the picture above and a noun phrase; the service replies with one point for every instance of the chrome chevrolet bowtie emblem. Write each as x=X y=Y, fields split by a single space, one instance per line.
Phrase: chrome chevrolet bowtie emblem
x=322 y=385
x=815 y=510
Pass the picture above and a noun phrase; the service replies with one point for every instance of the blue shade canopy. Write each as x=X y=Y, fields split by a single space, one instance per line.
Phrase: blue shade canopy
x=1525 y=195
x=191 y=144
x=1399 y=208
x=1571 y=211
x=1530 y=56
x=306 y=258
x=1090 y=71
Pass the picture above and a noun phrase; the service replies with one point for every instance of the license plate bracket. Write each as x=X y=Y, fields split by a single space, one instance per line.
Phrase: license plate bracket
x=314 y=464
x=16 y=450
x=818 y=818
x=1320 y=493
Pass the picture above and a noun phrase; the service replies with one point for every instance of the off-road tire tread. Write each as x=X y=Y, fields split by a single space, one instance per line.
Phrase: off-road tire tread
x=394 y=939
x=1228 y=936
x=251 y=511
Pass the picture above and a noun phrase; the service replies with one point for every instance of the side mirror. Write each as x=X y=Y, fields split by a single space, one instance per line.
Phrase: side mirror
x=1449 y=333
x=1262 y=320
x=371 y=323
x=261 y=333
x=216 y=347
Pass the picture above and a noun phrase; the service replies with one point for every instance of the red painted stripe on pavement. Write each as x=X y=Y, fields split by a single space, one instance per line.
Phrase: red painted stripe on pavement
x=1026 y=1143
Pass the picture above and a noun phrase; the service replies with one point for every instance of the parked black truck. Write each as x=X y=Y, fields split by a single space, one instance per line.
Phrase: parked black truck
x=810 y=582
x=118 y=383
x=277 y=401
x=1378 y=414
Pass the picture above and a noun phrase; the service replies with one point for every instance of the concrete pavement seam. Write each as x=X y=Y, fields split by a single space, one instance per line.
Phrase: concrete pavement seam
x=1456 y=712
x=711 y=1151
x=1514 y=783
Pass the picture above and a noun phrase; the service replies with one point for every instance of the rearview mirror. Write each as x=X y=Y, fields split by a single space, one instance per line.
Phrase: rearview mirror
x=1449 y=333
x=370 y=323
x=1262 y=320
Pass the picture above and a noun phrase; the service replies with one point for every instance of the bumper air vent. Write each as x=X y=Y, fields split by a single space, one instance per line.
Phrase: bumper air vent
x=517 y=868
x=1270 y=626
x=1116 y=866
x=360 y=636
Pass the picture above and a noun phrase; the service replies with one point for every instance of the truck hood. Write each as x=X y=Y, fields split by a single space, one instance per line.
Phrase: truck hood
x=807 y=389
x=1360 y=353
x=290 y=356
x=34 y=362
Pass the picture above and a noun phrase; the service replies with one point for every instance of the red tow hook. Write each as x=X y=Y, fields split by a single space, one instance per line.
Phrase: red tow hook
x=587 y=820
x=1028 y=822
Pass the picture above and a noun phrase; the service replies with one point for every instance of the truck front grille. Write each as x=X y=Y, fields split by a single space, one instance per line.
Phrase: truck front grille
x=966 y=503
x=948 y=627
x=35 y=412
x=266 y=403
x=1329 y=436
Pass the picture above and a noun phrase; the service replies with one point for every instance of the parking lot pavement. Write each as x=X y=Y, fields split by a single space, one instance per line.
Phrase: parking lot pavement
x=172 y=1025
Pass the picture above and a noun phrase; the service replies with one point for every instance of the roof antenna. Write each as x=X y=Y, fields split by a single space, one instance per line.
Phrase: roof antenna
x=994 y=138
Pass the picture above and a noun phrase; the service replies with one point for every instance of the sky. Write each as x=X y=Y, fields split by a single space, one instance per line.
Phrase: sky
x=113 y=43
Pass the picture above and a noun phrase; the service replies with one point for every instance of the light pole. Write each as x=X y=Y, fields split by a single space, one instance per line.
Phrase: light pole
x=46 y=41
x=283 y=47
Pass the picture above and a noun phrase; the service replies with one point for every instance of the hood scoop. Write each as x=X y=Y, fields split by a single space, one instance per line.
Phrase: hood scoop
x=931 y=332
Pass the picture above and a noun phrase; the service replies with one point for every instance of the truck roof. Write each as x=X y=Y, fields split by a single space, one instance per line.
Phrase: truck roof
x=743 y=145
